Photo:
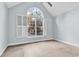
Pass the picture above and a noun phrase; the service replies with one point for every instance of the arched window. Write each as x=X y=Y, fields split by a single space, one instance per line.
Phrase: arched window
x=31 y=24
x=35 y=22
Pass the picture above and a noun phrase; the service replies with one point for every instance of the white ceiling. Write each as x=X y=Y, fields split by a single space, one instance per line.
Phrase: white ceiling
x=61 y=7
x=11 y=4
x=56 y=9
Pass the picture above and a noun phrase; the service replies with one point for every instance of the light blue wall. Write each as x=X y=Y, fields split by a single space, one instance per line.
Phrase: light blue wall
x=3 y=27
x=67 y=27
x=21 y=9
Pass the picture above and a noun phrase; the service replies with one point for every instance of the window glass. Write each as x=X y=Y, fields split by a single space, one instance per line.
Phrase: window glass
x=19 y=20
x=24 y=21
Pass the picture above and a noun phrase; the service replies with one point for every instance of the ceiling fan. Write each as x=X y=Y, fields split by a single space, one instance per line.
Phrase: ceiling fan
x=49 y=4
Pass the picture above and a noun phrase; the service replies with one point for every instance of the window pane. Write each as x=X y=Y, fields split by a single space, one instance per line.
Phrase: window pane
x=24 y=21
x=31 y=31
x=39 y=27
x=19 y=31
x=39 y=23
x=32 y=23
x=39 y=31
x=24 y=31
x=19 y=20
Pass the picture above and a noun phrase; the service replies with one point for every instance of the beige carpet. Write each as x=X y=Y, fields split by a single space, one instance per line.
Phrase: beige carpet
x=42 y=49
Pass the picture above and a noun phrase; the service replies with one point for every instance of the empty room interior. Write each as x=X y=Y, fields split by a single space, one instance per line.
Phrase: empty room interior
x=39 y=29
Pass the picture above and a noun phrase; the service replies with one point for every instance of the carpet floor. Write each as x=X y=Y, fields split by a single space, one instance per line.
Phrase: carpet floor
x=42 y=49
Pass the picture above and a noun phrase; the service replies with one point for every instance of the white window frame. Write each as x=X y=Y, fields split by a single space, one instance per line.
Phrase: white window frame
x=36 y=31
x=24 y=36
x=20 y=26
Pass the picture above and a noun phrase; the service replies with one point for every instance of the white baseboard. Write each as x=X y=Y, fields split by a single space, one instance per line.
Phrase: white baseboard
x=11 y=44
x=21 y=43
x=3 y=50
x=38 y=41
x=73 y=44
